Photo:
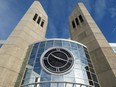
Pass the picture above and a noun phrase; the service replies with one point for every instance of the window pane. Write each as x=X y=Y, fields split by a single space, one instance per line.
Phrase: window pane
x=42 y=23
x=35 y=17
x=77 y=21
x=39 y=19
x=73 y=24
x=81 y=19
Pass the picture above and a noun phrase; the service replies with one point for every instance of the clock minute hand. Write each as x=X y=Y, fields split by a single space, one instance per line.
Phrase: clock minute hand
x=59 y=58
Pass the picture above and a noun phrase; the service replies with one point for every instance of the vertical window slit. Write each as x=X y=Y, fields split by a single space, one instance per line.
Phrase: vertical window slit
x=39 y=19
x=77 y=21
x=42 y=23
x=35 y=17
x=81 y=19
x=73 y=24
x=36 y=80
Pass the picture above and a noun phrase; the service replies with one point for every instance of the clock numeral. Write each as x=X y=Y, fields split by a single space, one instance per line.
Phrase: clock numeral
x=57 y=70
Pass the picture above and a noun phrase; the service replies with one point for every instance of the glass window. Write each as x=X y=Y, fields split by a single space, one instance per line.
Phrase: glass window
x=96 y=85
x=45 y=74
x=89 y=75
x=35 y=17
x=37 y=70
x=69 y=79
x=37 y=64
x=89 y=60
x=73 y=46
x=66 y=44
x=58 y=43
x=90 y=65
x=41 y=50
x=77 y=21
x=42 y=44
x=81 y=19
x=79 y=81
x=24 y=76
x=84 y=61
x=78 y=66
x=94 y=78
x=91 y=82
x=42 y=23
x=34 y=50
x=78 y=73
x=87 y=68
x=36 y=45
x=73 y=24
x=39 y=19
x=92 y=70
x=31 y=61
x=39 y=55
x=49 y=44
x=57 y=78
x=32 y=56
x=87 y=55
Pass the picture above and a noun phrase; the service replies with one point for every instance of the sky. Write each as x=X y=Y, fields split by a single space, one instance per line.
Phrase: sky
x=58 y=11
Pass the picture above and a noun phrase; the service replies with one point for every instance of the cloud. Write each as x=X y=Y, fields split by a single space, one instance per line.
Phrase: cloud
x=114 y=30
x=4 y=9
x=100 y=9
x=113 y=11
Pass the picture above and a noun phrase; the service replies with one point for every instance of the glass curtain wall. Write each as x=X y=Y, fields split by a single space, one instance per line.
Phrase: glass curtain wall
x=82 y=72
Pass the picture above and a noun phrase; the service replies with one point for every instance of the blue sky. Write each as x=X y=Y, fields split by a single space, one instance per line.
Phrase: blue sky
x=102 y=11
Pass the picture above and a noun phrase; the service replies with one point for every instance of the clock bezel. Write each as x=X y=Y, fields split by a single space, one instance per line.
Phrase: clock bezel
x=50 y=72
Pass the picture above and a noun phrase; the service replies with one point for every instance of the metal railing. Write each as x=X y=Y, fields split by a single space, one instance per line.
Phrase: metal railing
x=55 y=84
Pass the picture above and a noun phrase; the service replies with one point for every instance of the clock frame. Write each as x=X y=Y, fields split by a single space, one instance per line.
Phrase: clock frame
x=57 y=60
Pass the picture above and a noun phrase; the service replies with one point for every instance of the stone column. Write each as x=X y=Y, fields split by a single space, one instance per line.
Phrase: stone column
x=13 y=52
x=85 y=30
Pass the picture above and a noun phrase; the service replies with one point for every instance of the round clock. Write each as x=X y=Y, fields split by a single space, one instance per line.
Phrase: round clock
x=57 y=61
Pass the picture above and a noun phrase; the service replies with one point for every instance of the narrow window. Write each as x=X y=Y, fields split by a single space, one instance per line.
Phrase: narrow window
x=73 y=24
x=89 y=75
x=35 y=17
x=24 y=76
x=39 y=19
x=81 y=19
x=77 y=21
x=36 y=80
x=42 y=23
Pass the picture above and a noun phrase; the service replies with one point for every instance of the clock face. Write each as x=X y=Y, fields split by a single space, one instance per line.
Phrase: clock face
x=57 y=60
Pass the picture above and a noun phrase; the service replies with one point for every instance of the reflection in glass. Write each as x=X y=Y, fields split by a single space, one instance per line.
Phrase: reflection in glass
x=82 y=72
x=57 y=43
x=66 y=44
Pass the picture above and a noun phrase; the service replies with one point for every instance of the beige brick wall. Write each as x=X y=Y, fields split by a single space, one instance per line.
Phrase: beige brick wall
x=101 y=53
x=13 y=52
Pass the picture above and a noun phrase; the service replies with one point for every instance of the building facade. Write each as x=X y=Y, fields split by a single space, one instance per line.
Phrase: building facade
x=14 y=52
x=84 y=30
x=59 y=60
x=28 y=59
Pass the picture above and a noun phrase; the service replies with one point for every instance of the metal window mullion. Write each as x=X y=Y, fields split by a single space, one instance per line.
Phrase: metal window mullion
x=26 y=65
x=45 y=45
x=65 y=84
x=36 y=54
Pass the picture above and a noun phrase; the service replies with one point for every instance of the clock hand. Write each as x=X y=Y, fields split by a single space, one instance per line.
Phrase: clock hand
x=59 y=58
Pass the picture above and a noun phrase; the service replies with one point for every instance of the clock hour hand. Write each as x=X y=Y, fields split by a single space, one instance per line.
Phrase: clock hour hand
x=59 y=58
